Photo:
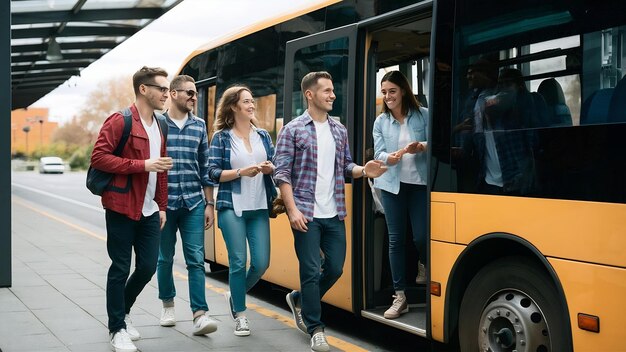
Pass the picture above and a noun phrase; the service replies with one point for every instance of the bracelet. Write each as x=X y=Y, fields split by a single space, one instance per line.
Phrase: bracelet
x=238 y=172
x=363 y=172
x=210 y=202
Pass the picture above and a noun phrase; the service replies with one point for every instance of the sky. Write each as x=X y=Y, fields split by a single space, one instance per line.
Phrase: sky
x=165 y=42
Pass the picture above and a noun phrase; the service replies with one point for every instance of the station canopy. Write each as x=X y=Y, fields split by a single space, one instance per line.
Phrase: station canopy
x=53 y=40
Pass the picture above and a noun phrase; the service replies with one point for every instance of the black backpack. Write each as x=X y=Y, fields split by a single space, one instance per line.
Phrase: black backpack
x=97 y=180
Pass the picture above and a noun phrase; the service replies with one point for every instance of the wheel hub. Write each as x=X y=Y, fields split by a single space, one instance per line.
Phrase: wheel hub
x=512 y=322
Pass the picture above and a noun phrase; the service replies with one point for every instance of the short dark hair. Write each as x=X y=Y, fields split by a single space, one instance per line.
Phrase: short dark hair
x=310 y=80
x=146 y=75
x=178 y=81
x=409 y=102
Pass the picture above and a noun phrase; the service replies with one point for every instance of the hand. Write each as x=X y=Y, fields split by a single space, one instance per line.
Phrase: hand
x=267 y=168
x=209 y=216
x=161 y=164
x=163 y=218
x=297 y=220
x=375 y=168
x=412 y=148
x=393 y=158
x=250 y=171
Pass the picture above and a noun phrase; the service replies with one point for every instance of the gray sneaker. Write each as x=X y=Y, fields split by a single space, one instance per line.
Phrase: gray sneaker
x=319 y=343
x=296 y=312
x=421 y=274
x=242 y=326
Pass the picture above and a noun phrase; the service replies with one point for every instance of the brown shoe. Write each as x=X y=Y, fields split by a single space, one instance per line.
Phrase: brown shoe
x=399 y=307
x=421 y=274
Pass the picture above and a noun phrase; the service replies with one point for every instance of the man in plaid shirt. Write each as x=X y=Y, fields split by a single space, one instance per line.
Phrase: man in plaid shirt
x=187 y=144
x=312 y=159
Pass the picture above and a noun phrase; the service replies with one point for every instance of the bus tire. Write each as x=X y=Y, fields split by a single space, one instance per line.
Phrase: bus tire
x=512 y=304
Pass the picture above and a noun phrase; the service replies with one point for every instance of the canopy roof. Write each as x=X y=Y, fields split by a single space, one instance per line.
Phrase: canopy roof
x=53 y=40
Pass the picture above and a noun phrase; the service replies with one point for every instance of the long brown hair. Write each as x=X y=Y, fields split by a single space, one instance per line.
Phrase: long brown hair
x=409 y=102
x=225 y=116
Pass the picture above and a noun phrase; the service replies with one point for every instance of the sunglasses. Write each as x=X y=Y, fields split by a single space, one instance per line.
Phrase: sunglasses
x=160 y=88
x=190 y=92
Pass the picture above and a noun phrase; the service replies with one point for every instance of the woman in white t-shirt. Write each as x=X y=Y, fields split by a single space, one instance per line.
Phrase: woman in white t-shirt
x=400 y=140
x=240 y=161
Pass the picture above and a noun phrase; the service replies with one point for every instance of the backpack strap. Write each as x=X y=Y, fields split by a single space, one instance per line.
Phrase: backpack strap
x=128 y=123
x=163 y=125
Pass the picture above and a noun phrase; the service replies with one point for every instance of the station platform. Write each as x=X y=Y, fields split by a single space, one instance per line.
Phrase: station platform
x=57 y=298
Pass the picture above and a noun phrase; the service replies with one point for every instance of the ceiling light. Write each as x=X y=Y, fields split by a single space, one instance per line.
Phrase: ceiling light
x=54 y=50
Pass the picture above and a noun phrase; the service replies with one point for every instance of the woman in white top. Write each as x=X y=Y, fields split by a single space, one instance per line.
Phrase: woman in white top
x=239 y=160
x=400 y=140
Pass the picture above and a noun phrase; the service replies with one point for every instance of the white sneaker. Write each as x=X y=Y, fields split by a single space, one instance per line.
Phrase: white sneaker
x=319 y=343
x=121 y=342
x=399 y=307
x=242 y=326
x=130 y=329
x=204 y=325
x=168 y=316
x=421 y=274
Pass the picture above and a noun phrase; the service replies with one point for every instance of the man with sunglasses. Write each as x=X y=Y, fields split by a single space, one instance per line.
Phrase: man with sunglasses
x=189 y=205
x=136 y=214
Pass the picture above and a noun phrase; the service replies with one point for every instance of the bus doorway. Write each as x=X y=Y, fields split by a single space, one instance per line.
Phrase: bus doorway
x=398 y=43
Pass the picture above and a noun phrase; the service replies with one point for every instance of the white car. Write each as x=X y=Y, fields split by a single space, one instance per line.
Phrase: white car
x=51 y=164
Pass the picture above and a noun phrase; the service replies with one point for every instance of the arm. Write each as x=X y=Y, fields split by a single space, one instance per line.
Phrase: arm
x=209 y=216
x=380 y=149
x=296 y=218
x=284 y=156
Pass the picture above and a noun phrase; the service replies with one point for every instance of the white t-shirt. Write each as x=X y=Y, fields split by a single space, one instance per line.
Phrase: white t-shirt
x=252 y=196
x=325 y=206
x=408 y=163
x=493 y=174
x=180 y=123
x=154 y=137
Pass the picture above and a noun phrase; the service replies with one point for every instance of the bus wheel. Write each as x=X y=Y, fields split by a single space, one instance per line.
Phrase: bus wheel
x=512 y=305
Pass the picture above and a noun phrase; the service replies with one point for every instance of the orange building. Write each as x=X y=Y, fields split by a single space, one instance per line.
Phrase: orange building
x=40 y=130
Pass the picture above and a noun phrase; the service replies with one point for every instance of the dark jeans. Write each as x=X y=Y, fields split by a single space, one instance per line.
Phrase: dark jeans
x=409 y=202
x=123 y=234
x=329 y=236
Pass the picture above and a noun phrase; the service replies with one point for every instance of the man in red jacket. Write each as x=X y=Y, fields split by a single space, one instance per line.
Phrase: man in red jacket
x=134 y=217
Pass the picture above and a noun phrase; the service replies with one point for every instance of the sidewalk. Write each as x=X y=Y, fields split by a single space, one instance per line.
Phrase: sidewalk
x=57 y=301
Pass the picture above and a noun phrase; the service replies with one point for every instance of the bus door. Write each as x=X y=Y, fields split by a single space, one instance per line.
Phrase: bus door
x=397 y=41
x=333 y=51
x=205 y=108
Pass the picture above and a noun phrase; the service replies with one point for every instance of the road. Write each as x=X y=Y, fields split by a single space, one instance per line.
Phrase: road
x=66 y=198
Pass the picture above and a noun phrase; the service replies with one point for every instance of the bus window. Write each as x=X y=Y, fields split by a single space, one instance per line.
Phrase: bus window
x=331 y=56
x=523 y=95
x=210 y=108
x=266 y=112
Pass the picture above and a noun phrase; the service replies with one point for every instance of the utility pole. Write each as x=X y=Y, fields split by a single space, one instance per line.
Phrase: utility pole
x=5 y=144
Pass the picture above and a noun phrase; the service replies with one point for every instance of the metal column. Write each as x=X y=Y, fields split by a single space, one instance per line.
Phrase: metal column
x=5 y=144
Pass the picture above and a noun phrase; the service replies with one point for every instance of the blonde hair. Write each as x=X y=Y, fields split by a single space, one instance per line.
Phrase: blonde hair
x=225 y=116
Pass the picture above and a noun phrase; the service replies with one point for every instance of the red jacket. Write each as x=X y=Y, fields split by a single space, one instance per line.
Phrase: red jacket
x=132 y=161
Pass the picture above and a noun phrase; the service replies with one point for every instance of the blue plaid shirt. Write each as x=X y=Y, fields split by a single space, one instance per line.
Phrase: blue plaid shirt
x=296 y=162
x=189 y=150
x=219 y=160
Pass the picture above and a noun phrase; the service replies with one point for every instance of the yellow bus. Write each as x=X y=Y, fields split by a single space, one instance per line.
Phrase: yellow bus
x=527 y=213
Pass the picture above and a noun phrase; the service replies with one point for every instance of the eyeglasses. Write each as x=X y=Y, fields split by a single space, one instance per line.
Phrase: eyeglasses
x=161 y=88
x=248 y=101
x=190 y=92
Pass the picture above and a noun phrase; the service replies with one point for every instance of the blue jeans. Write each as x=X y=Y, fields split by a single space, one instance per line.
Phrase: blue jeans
x=253 y=226
x=329 y=236
x=409 y=202
x=190 y=223
x=123 y=234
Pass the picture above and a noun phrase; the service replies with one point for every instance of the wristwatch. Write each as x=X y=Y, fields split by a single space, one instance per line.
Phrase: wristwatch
x=238 y=172
x=363 y=172
x=210 y=202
